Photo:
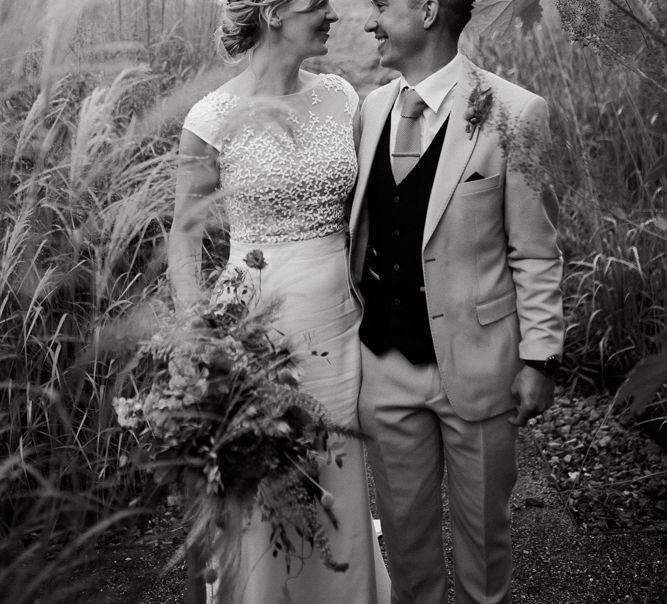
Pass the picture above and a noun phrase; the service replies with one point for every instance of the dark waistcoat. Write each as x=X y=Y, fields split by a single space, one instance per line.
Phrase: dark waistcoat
x=395 y=312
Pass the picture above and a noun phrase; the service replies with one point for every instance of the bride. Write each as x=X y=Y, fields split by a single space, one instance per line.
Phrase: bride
x=275 y=149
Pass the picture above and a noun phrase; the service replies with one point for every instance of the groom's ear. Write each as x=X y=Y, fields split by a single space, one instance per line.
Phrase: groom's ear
x=430 y=10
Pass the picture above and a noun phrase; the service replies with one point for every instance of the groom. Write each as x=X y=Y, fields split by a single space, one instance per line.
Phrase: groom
x=453 y=252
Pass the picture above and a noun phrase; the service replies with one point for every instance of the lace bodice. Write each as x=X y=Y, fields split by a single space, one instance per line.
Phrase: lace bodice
x=287 y=164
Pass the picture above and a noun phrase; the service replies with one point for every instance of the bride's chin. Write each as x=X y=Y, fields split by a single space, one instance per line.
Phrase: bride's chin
x=322 y=51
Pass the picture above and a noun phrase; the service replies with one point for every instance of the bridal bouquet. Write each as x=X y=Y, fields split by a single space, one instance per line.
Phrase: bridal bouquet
x=214 y=404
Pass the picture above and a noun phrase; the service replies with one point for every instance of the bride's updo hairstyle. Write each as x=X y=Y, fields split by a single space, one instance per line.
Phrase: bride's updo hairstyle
x=244 y=23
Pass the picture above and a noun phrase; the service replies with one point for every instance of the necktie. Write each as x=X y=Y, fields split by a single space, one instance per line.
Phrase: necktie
x=408 y=145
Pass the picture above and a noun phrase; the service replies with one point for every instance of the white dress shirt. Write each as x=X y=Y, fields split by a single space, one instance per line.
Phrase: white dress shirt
x=436 y=90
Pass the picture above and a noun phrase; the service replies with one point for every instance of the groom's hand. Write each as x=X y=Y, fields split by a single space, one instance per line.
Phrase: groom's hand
x=535 y=394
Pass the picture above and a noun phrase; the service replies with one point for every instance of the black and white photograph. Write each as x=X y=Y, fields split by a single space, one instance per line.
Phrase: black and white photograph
x=333 y=302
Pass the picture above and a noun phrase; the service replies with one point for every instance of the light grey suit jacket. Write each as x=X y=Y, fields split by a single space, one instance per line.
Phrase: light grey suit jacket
x=492 y=267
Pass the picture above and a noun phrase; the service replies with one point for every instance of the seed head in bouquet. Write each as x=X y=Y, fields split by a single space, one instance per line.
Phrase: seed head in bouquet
x=212 y=400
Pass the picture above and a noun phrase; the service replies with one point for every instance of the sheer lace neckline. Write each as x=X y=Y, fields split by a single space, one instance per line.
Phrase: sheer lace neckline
x=316 y=82
x=286 y=165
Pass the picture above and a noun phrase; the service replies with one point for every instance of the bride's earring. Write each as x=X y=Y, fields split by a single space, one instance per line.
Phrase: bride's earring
x=276 y=22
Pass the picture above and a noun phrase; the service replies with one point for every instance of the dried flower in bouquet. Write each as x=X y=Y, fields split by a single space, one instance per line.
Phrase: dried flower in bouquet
x=213 y=401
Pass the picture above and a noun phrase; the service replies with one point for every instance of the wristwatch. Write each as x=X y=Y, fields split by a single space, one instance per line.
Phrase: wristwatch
x=548 y=367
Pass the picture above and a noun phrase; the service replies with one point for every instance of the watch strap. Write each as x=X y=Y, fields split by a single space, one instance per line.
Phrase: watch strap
x=548 y=367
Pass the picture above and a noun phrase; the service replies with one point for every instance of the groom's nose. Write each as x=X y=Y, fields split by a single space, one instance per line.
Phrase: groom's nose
x=371 y=24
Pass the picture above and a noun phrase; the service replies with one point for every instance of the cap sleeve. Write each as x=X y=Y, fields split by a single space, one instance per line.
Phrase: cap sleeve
x=205 y=121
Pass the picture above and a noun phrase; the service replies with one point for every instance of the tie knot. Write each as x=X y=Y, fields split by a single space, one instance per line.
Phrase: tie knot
x=413 y=104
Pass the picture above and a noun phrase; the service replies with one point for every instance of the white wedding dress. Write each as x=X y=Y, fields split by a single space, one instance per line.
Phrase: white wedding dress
x=287 y=165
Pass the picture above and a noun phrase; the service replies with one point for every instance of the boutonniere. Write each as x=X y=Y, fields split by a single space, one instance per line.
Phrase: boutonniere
x=479 y=107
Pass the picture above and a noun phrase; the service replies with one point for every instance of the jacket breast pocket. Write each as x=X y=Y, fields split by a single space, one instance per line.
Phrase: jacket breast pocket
x=497 y=308
x=478 y=186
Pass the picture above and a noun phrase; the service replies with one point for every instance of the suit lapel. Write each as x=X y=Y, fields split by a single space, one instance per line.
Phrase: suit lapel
x=456 y=151
x=375 y=118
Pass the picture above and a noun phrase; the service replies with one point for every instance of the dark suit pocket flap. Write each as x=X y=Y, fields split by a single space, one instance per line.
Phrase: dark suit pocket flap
x=488 y=312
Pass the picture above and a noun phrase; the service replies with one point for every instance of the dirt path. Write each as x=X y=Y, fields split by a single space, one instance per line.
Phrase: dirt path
x=554 y=563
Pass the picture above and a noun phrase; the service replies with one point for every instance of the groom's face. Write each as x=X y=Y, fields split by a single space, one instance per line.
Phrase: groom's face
x=398 y=27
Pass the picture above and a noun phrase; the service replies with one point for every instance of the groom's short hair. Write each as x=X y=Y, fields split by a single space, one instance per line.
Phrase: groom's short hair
x=456 y=14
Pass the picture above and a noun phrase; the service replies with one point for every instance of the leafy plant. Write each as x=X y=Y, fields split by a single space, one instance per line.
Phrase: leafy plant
x=498 y=17
x=85 y=204
x=645 y=381
x=216 y=408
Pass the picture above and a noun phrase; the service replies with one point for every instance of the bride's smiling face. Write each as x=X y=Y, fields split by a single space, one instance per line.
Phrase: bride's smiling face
x=305 y=26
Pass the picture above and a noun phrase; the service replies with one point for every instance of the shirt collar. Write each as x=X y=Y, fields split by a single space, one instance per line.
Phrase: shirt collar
x=438 y=85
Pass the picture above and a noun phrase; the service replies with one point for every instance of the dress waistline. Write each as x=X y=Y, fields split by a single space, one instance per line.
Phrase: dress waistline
x=310 y=249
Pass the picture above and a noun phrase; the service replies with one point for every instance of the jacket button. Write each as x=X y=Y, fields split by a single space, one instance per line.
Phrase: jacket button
x=396 y=199
x=397 y=301
x=397 y=232
x=397 y=267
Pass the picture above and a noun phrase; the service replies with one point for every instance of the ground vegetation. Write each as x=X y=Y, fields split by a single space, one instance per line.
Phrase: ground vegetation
x=93 y=95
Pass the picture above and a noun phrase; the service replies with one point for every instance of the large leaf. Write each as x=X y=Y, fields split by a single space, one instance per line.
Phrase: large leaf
x=644 y=381
x=497 y=16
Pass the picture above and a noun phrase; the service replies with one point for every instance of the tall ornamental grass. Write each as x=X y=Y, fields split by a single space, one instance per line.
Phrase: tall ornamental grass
x=82 y=238
x=87 y=165
x=89 y=120
x=609 y=132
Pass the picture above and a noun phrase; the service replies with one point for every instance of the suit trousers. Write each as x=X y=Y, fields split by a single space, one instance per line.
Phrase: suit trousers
x=413 y=432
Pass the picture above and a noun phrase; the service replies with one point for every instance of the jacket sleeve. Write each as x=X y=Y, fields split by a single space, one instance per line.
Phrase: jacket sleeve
x=530 y=215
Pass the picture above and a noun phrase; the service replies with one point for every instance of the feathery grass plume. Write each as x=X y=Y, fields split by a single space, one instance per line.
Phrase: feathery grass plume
x=75 y=255
x=59 y=21
x=79 y=260
x=37 y=28
x=608 y=132
x=95 y=127
x=19 y=35
x=16 y=233
x=86 y=200
x=628 y=32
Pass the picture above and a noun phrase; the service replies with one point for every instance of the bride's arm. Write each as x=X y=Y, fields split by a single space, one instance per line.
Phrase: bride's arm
x=196 y=181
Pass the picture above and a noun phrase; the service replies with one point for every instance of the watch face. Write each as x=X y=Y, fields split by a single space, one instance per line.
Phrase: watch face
x=551 y=365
